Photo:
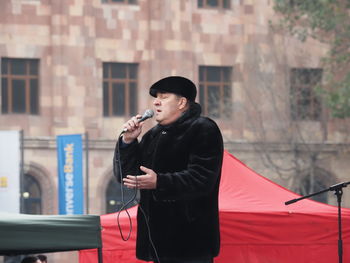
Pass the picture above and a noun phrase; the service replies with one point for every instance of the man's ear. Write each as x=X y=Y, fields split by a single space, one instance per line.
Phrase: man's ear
x=182 y=103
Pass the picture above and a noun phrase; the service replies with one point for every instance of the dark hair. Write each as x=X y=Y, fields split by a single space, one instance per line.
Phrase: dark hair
x=30 y=259
x=42 y=257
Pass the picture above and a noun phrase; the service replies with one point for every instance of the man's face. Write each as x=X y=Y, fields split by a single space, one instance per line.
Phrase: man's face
x=168 y=107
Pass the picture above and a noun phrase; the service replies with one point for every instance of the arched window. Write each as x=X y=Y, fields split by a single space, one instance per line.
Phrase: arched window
x=114 y=196
x=315 y=181
x=31 y=195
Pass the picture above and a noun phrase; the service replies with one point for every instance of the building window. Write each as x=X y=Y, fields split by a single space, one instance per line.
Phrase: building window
x=114 y=199
x=120 y=1
x=119 y=89
x=19 y=86
x=305 y=104
x=215 y=92
x=31 y=195
x=294 y=3
x=314 y=182
x=225 y=4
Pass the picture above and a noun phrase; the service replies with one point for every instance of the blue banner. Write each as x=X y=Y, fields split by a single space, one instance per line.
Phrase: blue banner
x=70 y=174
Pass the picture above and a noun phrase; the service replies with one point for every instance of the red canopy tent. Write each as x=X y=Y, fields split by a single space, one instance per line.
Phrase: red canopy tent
x=256 y=225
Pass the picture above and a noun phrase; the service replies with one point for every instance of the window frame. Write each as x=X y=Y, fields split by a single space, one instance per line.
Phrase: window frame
x=129 y=107
x=299 y=94
x=28 y=76
x=321 y=179
x=224 y=106
x=29 y=182
x=221 y=4
x=122 y=2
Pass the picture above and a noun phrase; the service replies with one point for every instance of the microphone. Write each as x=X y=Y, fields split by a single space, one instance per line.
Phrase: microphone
x=148 y=114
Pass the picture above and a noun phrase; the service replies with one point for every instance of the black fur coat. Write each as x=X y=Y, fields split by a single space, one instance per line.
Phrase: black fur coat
x=182 y=211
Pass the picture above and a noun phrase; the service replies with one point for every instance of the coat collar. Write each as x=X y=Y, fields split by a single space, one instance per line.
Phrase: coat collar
x=186 y=118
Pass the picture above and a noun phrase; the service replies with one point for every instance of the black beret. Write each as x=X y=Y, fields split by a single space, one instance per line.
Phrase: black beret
x=177 y=85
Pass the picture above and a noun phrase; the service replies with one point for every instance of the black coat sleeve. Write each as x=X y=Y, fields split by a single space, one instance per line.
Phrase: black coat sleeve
x=126 y=160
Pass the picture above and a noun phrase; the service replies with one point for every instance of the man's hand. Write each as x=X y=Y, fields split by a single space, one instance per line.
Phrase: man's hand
x=134 y=129
x=145 y=181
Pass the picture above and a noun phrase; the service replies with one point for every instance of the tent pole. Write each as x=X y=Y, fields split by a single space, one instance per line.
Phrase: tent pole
x=87 y=172
x=21 y=178
x=99 y=254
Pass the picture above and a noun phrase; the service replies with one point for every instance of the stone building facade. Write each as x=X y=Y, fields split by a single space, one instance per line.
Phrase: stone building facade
x=92 y=62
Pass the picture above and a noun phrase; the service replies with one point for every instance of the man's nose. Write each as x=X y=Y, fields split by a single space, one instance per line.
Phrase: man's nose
x=156 y=102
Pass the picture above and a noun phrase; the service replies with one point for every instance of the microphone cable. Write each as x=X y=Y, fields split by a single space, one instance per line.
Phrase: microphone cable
x=125 y=205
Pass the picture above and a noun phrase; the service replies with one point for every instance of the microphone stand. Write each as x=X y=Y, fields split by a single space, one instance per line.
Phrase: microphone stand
x=338 y=188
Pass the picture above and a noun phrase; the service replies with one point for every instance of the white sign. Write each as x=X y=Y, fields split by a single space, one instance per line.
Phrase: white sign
x=10 y=154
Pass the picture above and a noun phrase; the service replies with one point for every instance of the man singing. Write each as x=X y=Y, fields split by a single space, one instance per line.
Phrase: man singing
x=177 y=167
